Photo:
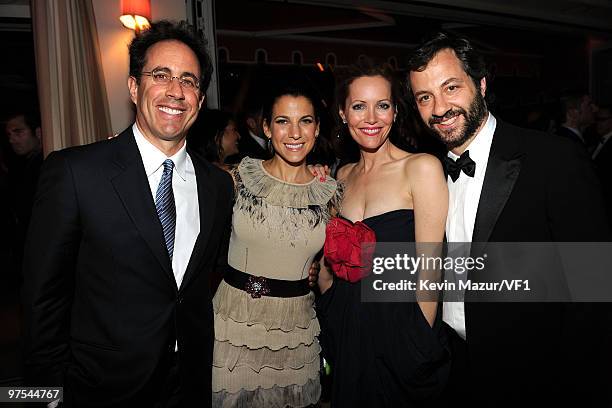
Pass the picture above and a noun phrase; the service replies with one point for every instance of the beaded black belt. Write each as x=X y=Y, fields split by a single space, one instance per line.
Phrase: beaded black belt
x=258 y=286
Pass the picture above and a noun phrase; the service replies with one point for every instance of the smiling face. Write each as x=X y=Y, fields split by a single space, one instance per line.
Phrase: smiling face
x=164 y=112
x=293 y=128
x=369 y=111
x=448 y=100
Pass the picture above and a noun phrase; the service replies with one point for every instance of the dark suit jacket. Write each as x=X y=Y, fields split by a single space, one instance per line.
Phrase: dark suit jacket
x=603 y=165
x=569 y=134
x=247 y=146
x=102 y=306
x=537 y=188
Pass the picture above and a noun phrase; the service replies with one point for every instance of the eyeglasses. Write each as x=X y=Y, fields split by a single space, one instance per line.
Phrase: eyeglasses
x=163 y=77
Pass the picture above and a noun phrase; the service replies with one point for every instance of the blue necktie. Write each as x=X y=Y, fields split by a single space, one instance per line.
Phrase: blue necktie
x=164 y=204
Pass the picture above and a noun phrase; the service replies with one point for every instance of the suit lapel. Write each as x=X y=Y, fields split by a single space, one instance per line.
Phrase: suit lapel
x=132 y=187
x=207 y=199
x=503 y=168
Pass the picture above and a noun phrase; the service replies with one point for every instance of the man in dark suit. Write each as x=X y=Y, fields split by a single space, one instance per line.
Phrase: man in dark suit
x=577 y=113
x=602 y=155
x=253 y=142
x=24 y=136
x=508 y=184
x=123 y=237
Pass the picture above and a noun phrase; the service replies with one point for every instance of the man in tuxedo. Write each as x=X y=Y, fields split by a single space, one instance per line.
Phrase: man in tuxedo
x=123 y=238
x=577 y=113
x=508 y=184
x=602 y=155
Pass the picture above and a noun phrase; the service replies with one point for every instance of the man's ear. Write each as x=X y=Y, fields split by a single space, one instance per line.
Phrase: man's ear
x=483 y=86
x=38 y=133
x=133 y=87
x=202 y=99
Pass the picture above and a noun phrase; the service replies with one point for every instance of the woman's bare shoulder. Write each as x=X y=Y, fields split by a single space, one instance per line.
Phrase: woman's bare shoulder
x=423 y=162
x=423 y=167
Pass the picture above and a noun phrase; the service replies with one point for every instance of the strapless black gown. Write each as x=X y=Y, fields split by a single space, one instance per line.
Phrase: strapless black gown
x=382 y=354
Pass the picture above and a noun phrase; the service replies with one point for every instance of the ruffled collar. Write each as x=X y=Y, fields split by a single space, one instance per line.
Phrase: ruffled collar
x=278 y=192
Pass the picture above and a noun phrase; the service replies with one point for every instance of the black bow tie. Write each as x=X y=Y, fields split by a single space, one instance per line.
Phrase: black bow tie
x=464 y=163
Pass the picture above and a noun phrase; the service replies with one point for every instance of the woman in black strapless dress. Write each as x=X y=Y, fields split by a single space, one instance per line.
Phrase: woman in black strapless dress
x=383 y=354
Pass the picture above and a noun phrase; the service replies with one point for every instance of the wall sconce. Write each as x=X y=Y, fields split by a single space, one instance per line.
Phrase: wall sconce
x=136 y=14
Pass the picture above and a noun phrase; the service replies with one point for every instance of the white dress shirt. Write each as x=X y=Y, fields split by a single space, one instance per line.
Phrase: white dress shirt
x=464 y=195
x=185 y=189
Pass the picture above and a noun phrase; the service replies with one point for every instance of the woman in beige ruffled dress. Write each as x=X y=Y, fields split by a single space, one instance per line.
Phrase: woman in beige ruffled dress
x=266 y=351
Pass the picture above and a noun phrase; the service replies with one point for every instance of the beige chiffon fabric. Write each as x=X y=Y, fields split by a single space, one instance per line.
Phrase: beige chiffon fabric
x=266 y=350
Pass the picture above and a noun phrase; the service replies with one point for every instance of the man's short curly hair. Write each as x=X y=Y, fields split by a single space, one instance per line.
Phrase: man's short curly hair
x=165 y=30
x=472 y=61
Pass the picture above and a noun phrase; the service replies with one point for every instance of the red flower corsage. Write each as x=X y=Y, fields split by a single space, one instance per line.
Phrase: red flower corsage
x=349 y=248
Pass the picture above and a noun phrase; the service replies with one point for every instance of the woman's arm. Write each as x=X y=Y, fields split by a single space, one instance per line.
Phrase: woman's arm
x=430 y=200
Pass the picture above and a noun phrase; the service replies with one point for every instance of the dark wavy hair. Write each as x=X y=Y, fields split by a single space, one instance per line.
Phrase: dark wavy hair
x=402 y=132
x=289 y=89
x=31 y=117
x=165 y=30
x=206 y=134
x=472 y=61
x=322 y=151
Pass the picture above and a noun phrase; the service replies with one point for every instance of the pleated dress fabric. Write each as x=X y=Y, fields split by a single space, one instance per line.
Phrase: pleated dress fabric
x=266 y=351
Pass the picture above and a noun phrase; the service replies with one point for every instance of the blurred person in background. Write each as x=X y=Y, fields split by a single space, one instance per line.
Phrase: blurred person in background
x=7 y=225
x=602 y=155
x=254 y=144
x=577 y=113
x=215 y=135
x=24 y=137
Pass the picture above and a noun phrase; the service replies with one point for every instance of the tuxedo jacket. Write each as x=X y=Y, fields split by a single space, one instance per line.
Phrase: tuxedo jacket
x=103 y=309
x=537 y=188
